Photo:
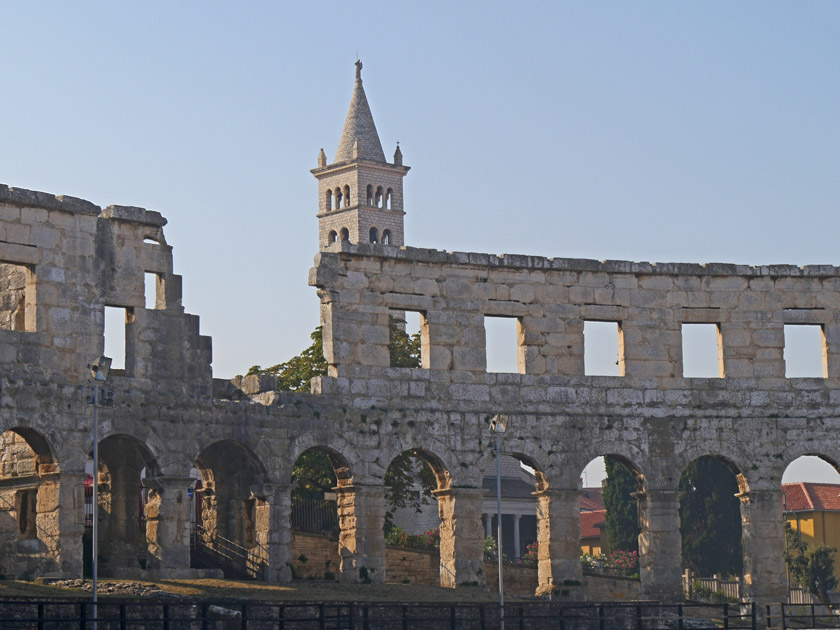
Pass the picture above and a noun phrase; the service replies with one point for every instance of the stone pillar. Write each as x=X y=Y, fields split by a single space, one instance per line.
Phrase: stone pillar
x=274 y=532
x=558 y=538
x=168 y=525
x=361 y=543
x=763 y=543
x=70 y=515
x=461 y=537
x=660 y=545
x=517 y=551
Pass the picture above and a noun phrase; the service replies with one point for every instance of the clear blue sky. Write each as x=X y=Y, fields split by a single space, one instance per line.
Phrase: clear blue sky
x=697 y=132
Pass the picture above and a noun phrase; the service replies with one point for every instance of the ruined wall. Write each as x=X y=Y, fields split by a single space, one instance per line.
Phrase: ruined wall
x=169 y=415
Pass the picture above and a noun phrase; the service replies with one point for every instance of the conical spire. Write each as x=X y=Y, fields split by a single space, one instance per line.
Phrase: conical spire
x=359 y=128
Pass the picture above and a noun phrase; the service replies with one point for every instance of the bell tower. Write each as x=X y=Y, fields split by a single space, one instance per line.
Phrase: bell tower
x=360 y=195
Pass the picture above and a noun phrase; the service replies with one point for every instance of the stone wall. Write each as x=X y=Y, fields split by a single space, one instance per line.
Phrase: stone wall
x=170 y=416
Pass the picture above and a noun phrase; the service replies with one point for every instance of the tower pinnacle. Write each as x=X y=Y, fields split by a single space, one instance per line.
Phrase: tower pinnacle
x=359 y=126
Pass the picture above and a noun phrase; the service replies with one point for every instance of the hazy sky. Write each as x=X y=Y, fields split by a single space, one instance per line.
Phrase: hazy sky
x=696 y=132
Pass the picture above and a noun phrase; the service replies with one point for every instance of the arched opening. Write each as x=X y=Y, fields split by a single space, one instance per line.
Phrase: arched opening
x=377 y=200
x=811 y=507
x=328 y=201
x=369 y=195
x=386 y=237
x=125 y=465
x=231 y=495
x=345 y=234
x=316 y=475
x=388 y=194
x=347 y=196
x=374 y=235
x=332 y=237
x=338 y=198
x=609 y=517
x=29 y=485
x=710 y=526
x=412 y=516
x=520 y=477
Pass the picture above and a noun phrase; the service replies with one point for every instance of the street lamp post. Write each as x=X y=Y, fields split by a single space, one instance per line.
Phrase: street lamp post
x=99 y=371
x=498 y=425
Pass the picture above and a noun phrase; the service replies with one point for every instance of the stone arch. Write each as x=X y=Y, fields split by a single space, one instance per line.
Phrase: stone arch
x=232 y=477
x=829 y=453
x=377 y=199
x=126 y=465
x=702 y=479
x=374 y=235
x=386 y=237
x=332 y=237
x=369 y=195
x=339 y=196
x=414 y=521
x=347 y=196
x=328 y=199
x=29 y=504
x=344 y=234
x=388 y=195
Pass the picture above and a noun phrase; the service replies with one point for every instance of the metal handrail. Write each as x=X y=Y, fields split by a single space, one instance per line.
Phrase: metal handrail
x=236 y=554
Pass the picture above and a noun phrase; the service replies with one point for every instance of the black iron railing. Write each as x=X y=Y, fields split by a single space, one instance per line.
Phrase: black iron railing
x=245 y=561
x=181 y=615
x=803 y=616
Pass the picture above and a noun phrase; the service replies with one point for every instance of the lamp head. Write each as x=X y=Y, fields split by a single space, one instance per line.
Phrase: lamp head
x=99 y=369
x=499 y=423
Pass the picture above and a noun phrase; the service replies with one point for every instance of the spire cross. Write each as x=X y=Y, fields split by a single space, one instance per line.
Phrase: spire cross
x=359 y=69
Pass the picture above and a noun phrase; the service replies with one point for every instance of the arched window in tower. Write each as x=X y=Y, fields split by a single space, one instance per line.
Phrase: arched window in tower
x=388 y=194
x=347 y=196
x=374 y=235
x=338 y=198
x=333 y=237
x=345 y=234
x=378 y=199
x=370 y=195
x=386 y=237
x=328 y=201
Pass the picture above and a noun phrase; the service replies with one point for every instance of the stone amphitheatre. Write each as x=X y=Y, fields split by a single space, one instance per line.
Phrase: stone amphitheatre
x=63 y=260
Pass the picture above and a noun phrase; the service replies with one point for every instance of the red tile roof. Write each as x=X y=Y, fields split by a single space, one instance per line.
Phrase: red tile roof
x=591 y=523
x=807 y=497
x=591 y=499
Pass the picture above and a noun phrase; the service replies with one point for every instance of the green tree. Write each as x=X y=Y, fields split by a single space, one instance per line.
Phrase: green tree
x=295 y=374
x=710 y=515
x=622 y=517
x=313 y=472
x=812 y=569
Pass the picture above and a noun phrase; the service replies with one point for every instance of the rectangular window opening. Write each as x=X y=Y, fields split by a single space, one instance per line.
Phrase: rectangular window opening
x=154 y=290
x=502 y=344
x=601 y=349
x=17 y=297
x=702 y=351
x=116 y=318
x=406 y=339
x=805 y=351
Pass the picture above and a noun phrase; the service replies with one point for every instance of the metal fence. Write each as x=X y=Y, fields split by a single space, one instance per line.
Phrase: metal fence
x=225 y=615
x=803 y=616
x=315 y=516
